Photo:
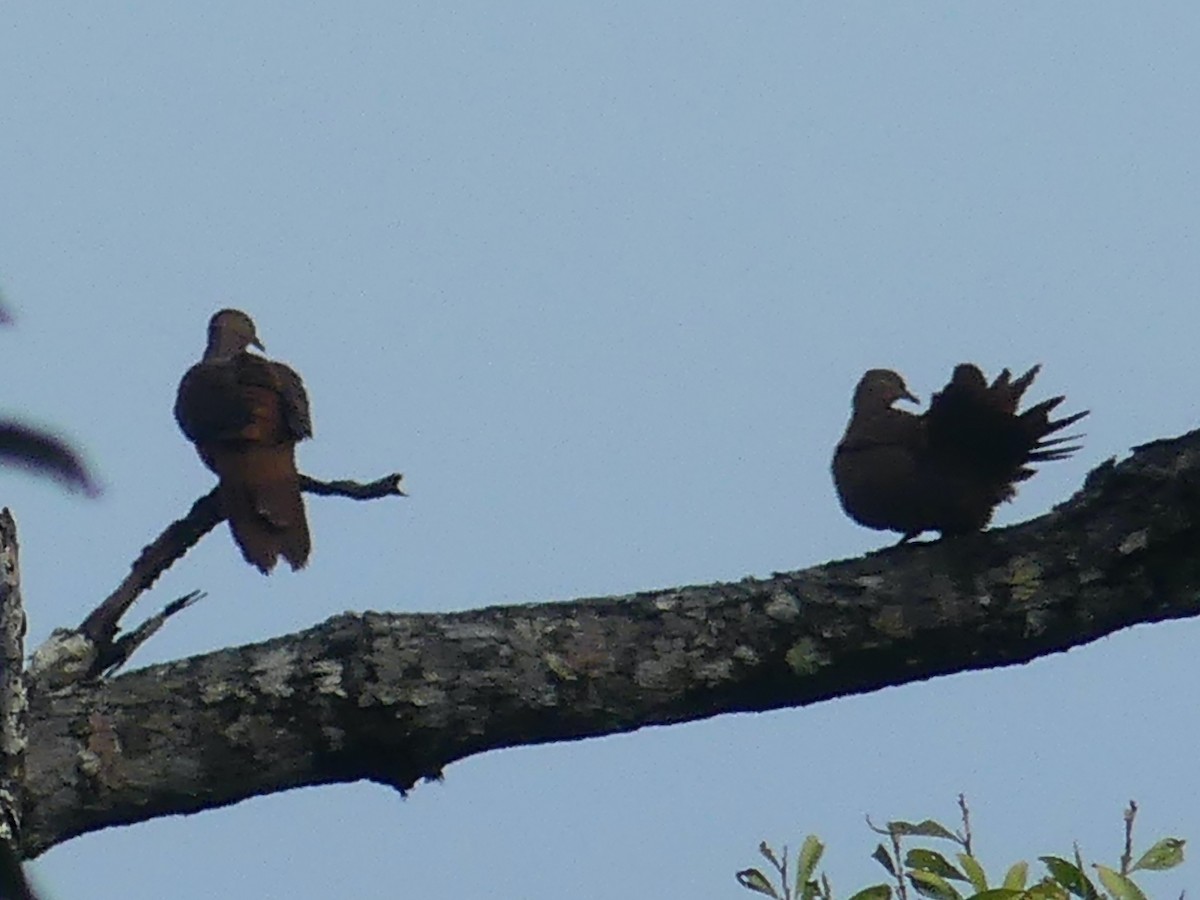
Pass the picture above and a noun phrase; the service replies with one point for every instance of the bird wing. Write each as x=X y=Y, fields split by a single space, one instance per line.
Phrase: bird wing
x=209 y=405
x=296 y=415
x=884 y=428
x=245 y=398
x=876 y=470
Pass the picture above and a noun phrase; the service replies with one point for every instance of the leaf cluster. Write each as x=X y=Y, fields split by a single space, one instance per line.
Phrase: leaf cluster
x=928 y=872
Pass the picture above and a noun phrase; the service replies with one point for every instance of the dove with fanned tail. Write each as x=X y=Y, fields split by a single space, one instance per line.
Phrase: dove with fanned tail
x=946 y=469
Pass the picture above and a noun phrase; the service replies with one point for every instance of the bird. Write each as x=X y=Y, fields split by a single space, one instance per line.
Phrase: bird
x=946 y=469
x=245 y=414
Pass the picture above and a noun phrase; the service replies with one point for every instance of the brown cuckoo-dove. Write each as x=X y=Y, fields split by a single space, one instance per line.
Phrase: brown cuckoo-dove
x=245 y=414
x=948 y=468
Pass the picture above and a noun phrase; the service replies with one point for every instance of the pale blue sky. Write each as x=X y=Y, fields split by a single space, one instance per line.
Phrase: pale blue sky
x=600 y=279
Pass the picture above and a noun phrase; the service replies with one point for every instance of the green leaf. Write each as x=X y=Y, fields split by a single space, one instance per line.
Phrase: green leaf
x=874 y=892
x=809 y=890
x=1069 y=876
x=1079 y=864
x=928 y=828
x=884 y=858
x=1046 y=890
x=935 y=886
x=1063 y=872
x=1016 y=876
x=974 y=871
x=1166 y=854
x=806 y=863
x=754 y=880
x=1118 y=885
x=769 y=855
x=997 y=894
x=930 y=861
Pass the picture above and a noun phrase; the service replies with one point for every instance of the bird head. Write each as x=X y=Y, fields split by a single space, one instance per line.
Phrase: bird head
x=880 y=388
x=231 y=331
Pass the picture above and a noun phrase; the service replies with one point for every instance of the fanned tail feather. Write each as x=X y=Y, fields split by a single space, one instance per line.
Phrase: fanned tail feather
x=976 y=429
x=1046 y=448
x=1006 y=394
x=1022 y=384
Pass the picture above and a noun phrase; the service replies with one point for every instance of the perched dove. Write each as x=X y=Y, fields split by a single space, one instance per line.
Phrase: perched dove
x=948 y=468
x=245 y=414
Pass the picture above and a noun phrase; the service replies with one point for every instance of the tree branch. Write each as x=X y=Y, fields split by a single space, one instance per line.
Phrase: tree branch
x=96 y=652
x=396 y=697
x=14 y=704
x=387 y=486
x=14 y=710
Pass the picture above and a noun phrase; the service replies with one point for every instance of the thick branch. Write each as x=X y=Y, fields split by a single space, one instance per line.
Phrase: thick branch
x=394 y=698
x=13 y=699
x=14 y=710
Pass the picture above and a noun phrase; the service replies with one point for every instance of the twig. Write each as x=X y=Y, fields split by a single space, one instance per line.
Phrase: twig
x=903 y=888
x=966 y=820
x=387 y=486
x=93 y=648
x=124 y=647
x=103 y=622
x=898 y=863
x=1127 y=856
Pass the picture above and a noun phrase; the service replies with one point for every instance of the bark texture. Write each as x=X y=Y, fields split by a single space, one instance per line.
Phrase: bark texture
x=395 y=697
x=13 y=696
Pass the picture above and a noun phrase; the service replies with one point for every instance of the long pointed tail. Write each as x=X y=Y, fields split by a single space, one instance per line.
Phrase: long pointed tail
x=260 y=495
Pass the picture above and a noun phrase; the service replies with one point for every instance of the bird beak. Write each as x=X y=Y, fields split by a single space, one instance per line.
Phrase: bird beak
x=908 y=395
x=255 y=342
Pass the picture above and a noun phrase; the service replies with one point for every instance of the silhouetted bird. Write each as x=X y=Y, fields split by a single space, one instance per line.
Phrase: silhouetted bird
x=245 y=414
x=947 y=469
